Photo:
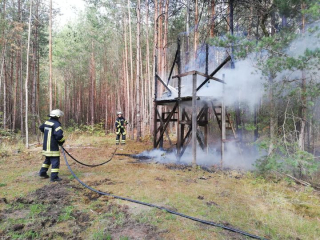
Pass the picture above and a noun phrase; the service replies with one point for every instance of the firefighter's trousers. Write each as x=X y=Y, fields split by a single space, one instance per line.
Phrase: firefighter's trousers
x=121 y=131
x=55 y=162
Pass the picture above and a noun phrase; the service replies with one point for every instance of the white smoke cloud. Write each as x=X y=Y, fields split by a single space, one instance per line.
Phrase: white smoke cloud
x=243 y=83
x=235 y=157
x=309 y=40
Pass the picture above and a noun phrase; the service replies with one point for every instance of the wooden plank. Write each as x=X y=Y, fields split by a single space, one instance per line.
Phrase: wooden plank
x=203 y=123
x=171 y=120
x=199 y=73
x=184 y=74
x=155 y=124
x=186 y=143
x=206 y=129
x=194 y=120
x=214 y=72
x=179 y=132
x=185 y=122
x=210 y=77
x=223 y=126
x=166 y=130
x=189 y=122
x=167 y=122
x=163 y=83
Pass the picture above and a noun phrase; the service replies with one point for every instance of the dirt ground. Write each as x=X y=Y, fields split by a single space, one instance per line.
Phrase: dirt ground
x=34 y=208
x=48 y=223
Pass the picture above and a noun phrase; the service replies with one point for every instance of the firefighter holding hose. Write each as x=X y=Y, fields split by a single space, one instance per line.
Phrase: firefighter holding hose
x=53 y=138
x=121 y=124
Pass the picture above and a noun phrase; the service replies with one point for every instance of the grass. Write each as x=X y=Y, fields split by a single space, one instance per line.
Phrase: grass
x=274 y=209
x=25 y=235
x=100 y=235
x=35 y=209
x=66 y=214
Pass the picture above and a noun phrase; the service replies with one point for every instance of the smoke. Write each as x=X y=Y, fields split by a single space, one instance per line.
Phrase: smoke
x=305 y=44
x=243 y=83
x=306 y=41
x=235 y=157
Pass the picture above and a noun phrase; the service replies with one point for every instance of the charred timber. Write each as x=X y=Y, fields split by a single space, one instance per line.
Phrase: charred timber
x=189 y=122
x=199 y=73
x=174 y=62
x=215 y=71
x=163 y=83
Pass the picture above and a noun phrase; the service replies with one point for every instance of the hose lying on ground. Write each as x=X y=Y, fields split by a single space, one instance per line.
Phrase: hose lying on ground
x=89 y=165
x=159 y=207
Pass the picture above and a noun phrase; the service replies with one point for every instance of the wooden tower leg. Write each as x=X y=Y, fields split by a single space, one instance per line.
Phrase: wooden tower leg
x=179 y=131
x=206 y=130
x=194 y=120
x=223 y=127
x=155 y=125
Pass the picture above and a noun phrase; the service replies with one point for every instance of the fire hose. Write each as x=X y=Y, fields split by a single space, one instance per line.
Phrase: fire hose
x=89 y=165
x=153 y=205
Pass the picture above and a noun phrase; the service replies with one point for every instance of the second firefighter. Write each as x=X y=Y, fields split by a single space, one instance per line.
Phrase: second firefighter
x=121 y=124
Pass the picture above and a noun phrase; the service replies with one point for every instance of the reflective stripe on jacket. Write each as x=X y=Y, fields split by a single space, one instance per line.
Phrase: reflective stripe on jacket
x=53 y=137
x=121 y=122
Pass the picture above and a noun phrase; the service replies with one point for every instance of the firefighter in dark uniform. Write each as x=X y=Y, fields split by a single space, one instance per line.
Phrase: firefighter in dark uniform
x=53 y=137
x=121 y=124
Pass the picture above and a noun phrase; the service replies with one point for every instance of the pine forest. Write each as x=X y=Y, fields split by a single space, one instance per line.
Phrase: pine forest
x=188 y=76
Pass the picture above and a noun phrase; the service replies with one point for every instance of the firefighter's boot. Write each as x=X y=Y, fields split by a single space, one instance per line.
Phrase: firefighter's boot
x=43 y=175
x=44 y=168
x=56 y=179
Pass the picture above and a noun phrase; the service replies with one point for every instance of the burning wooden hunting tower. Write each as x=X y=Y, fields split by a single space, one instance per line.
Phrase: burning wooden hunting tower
x=191 y=116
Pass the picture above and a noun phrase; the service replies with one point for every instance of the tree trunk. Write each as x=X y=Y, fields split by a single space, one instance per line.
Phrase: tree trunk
x=131 y=73
x=165 y=40
x=138 y=74
x=149 y=109
x=27 y=77
x=93 y=79
x=154 y=64
x=126 y=73
x=106 y=109
x=50 y=57
x=188 y=33
x=15 y=93
x=272 y=123
x=3 y=64
x=5 y=95
x=160 y=47
x=196 y=32
x=303 y=107
x=142 y=93
x=212 y=18
x=33 y=94
x=21 y=90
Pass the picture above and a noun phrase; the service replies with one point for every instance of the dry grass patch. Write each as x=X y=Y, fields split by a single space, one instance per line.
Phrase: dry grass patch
x=273 y=209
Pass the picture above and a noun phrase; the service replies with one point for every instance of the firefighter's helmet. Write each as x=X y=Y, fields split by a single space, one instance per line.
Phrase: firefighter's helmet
x=56 y=113
x=119 y=113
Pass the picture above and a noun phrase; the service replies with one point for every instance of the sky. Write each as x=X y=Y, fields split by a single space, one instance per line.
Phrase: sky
x=68 y=10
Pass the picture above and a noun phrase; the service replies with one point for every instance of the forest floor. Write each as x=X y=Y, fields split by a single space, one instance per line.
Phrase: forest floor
x=34 y=208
